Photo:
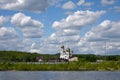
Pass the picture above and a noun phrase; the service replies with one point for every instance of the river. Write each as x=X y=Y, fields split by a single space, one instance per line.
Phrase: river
x=59 y=75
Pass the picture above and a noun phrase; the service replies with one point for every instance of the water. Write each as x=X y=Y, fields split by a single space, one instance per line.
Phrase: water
x=59 y=75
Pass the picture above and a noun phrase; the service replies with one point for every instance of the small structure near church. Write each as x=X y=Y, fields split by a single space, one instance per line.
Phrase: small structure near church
x=39 y=58
x=67 y=54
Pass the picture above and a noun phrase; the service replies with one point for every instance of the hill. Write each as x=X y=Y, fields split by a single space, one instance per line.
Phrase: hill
x=18 y=56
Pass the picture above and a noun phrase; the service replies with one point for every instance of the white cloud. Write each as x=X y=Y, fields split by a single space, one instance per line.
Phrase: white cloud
x=107 y=2
x=83 y=3
x=9 y=39
x=78 y=19
x=64 y=38
x=7 y=33
x=68 y=30
x=69 y=5
x=3 y=20
x=104 y=37
x=30 y=27
x=108 y=30
x=16 y=44
x=28 y=5
x=97 y=41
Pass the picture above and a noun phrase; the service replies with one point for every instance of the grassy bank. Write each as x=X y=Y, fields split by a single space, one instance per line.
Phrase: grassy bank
x=73 y=66
x=85 y=62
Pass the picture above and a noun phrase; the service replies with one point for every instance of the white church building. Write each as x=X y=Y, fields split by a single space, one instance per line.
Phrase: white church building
x=66 y=54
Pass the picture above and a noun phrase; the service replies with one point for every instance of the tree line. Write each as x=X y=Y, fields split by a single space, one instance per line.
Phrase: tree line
x=17 y=56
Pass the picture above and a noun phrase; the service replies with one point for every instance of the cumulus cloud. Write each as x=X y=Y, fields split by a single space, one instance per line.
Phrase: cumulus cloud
x=9 y=37
x=28 y=5
x=64 y=38
x=104 y=37
x=69 y=5
x=101 y=39
x=30 y=27
x=9 y=40
x=108 y=30
x=78 y=19
x=3 y=20
x=83 y=3
x=107 y=2
x=68 y=30
x=7 y=33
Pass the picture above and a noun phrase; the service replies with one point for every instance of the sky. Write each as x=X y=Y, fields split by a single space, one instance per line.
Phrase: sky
x=42 y=26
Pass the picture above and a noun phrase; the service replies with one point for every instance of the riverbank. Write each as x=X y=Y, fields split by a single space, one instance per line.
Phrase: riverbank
x=71 y=66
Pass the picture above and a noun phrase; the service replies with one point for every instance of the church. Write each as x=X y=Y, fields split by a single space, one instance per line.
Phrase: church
x=67 y=54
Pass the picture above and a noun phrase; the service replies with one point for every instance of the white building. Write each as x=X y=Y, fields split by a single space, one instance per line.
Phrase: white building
x=67 y=54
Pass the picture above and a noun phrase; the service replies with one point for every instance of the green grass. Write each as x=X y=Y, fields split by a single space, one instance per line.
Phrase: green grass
x=72 y=66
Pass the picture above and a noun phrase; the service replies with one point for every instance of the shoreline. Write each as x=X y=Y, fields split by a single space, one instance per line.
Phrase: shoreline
x=72 y=66
x=61 y=70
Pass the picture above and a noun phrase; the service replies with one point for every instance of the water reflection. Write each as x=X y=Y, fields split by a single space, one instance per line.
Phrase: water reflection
x=58 y=75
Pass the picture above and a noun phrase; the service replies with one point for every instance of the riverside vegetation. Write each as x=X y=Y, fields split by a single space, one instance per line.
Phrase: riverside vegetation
x=86 y=62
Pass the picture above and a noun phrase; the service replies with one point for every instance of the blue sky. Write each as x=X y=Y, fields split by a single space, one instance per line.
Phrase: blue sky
x=42 y=26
